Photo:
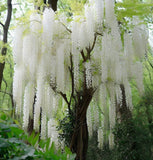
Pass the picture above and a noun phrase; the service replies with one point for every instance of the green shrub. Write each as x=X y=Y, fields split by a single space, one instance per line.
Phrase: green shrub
x=15 y=144
x=134 y=137
x=11 y=147
x=65 y=128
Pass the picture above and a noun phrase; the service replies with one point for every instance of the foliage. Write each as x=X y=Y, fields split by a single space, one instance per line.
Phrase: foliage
x=65 y=128
x=94 y=153
x=134 y=137
x=11 y=145
x=69 y=7
x=133 y=141
x=15 y=144
x=50 y=153
x=128 y=9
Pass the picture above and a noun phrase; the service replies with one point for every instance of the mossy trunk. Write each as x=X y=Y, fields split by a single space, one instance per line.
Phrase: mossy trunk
x=79 y=140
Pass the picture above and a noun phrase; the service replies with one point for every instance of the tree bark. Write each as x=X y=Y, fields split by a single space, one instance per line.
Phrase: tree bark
x=5 y=36
x=53 y=4
x=123 y=111
x=79 y=140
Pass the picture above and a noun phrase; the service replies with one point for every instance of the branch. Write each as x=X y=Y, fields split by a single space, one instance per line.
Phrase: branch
x=8 y=19
x=83 y=56
x=64 y=96
x=59 y=92
x=100 y=34
x=66 y=27
x=11 y=95
x=150 y=64
x=2 y=24
x=89 y=50
x=72 y=77
x=68 y=103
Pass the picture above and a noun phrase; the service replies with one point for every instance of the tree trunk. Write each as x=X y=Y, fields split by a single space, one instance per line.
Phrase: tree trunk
x=79 y=140
x=123 y=111
x=1 y=72
x=53 y=4
x=5 y=35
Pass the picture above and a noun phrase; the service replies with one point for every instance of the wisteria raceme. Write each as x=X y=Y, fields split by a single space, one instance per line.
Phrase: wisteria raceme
x=118 y=72
x=35 y=23
x=48 y=29
x=48 y=100
x=128 y=95
x=111 y=140
x=17 y=45
x=109 y=12
x=26 y=109
x=138 y=74
x=60 y=67
x=100 y=138
x=53 y=70
x=89 y=121
x=88 y=74
x=76 y=71
x=112 y=107
x=75 y=52
x=140 y=38
x=83 y=36
x=28 y=104
x=43 y=124
x=112 y=23
x=103 y=97
x=75 y=37
x=118 y=93
x=52 y=132
x=30 y=60
x=95 y=118
x=90 y=24
x=38 y=102
x=104 y=58
x=99 y=5
x=18 y=88
x=128 y=47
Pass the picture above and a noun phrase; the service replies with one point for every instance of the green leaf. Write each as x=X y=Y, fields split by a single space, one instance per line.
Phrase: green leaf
x=3 y=8
x=2 y=59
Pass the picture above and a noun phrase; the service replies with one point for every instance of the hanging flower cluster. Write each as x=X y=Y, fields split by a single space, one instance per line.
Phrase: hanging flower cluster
x=42 y=61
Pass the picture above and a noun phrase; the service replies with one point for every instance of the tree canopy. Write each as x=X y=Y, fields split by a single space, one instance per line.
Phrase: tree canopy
x=74 y=64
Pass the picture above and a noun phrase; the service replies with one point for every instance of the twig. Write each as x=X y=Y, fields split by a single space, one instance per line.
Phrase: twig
x=72 y=77
x=2 y=24
x=101 y=110
x=64 y=96
x=100 y=34
x=66 y=27
x=61 y=93
x=66 y=100
x=150 y=64
x=83 y=56
x=10 y=94
x=5 y=88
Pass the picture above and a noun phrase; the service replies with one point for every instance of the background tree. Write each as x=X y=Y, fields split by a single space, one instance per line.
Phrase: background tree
x=5 y=36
